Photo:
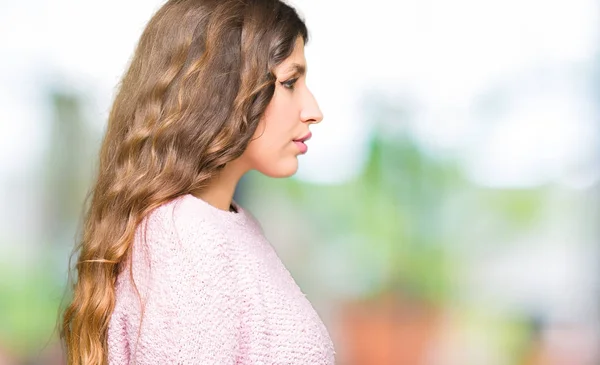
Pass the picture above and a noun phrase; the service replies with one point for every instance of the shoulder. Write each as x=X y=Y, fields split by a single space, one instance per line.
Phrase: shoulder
x=180 y=247
x=175 y=238
x=182 y=223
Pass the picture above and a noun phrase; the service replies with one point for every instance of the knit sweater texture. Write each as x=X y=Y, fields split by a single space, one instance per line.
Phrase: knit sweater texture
x=210 y=289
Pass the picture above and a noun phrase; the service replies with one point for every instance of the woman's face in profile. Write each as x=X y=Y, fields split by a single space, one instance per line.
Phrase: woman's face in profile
x=274 y=148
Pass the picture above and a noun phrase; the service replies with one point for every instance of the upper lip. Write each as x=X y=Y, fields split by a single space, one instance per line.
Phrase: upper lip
x=305 y=138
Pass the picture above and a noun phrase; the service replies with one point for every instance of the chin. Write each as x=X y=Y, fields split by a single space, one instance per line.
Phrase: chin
x=282 y=169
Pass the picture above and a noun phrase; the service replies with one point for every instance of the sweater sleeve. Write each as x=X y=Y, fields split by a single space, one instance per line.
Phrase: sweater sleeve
x=192 y=313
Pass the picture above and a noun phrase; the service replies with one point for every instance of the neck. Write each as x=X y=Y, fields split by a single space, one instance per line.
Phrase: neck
x=220 y=190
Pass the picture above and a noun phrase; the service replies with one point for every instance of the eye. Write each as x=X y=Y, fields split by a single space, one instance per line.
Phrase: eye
x=289 y=84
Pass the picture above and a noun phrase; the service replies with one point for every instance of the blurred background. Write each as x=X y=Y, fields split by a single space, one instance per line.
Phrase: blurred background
x=448 y=209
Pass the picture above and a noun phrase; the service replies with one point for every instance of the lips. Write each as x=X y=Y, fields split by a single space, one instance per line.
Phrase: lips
x=300 y=143
x=305 y=138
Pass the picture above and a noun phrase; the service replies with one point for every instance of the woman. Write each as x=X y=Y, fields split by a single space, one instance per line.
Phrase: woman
x=171 y=270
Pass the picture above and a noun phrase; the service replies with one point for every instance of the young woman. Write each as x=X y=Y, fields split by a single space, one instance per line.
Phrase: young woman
x=170 y=269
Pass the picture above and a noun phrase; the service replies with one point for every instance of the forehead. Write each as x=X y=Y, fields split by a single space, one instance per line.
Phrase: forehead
x=296 y=60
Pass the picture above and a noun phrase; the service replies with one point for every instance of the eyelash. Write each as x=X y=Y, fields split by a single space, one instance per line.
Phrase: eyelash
x=289 y=84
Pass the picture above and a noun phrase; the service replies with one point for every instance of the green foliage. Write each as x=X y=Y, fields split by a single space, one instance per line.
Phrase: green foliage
x=29 y=301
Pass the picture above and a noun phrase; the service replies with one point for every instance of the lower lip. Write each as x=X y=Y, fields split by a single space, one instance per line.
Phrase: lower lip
x=301 y=146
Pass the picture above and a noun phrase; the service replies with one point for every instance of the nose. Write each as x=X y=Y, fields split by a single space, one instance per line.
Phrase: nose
x=311 y=113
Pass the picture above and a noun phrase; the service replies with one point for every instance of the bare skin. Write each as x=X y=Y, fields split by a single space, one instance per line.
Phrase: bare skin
x=272 y=150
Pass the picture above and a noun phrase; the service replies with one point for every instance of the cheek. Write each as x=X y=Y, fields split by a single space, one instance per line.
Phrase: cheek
x=269 y=143
x=281 y=115
x=272 y=152
x=275 y=131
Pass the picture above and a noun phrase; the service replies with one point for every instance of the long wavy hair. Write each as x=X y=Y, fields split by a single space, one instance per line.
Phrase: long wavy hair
x=190 y=101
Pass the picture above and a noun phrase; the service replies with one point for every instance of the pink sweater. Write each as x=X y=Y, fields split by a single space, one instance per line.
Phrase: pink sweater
x=216 y=293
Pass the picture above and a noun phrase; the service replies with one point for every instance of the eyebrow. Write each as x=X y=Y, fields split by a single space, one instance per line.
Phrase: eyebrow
x=298 y=68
